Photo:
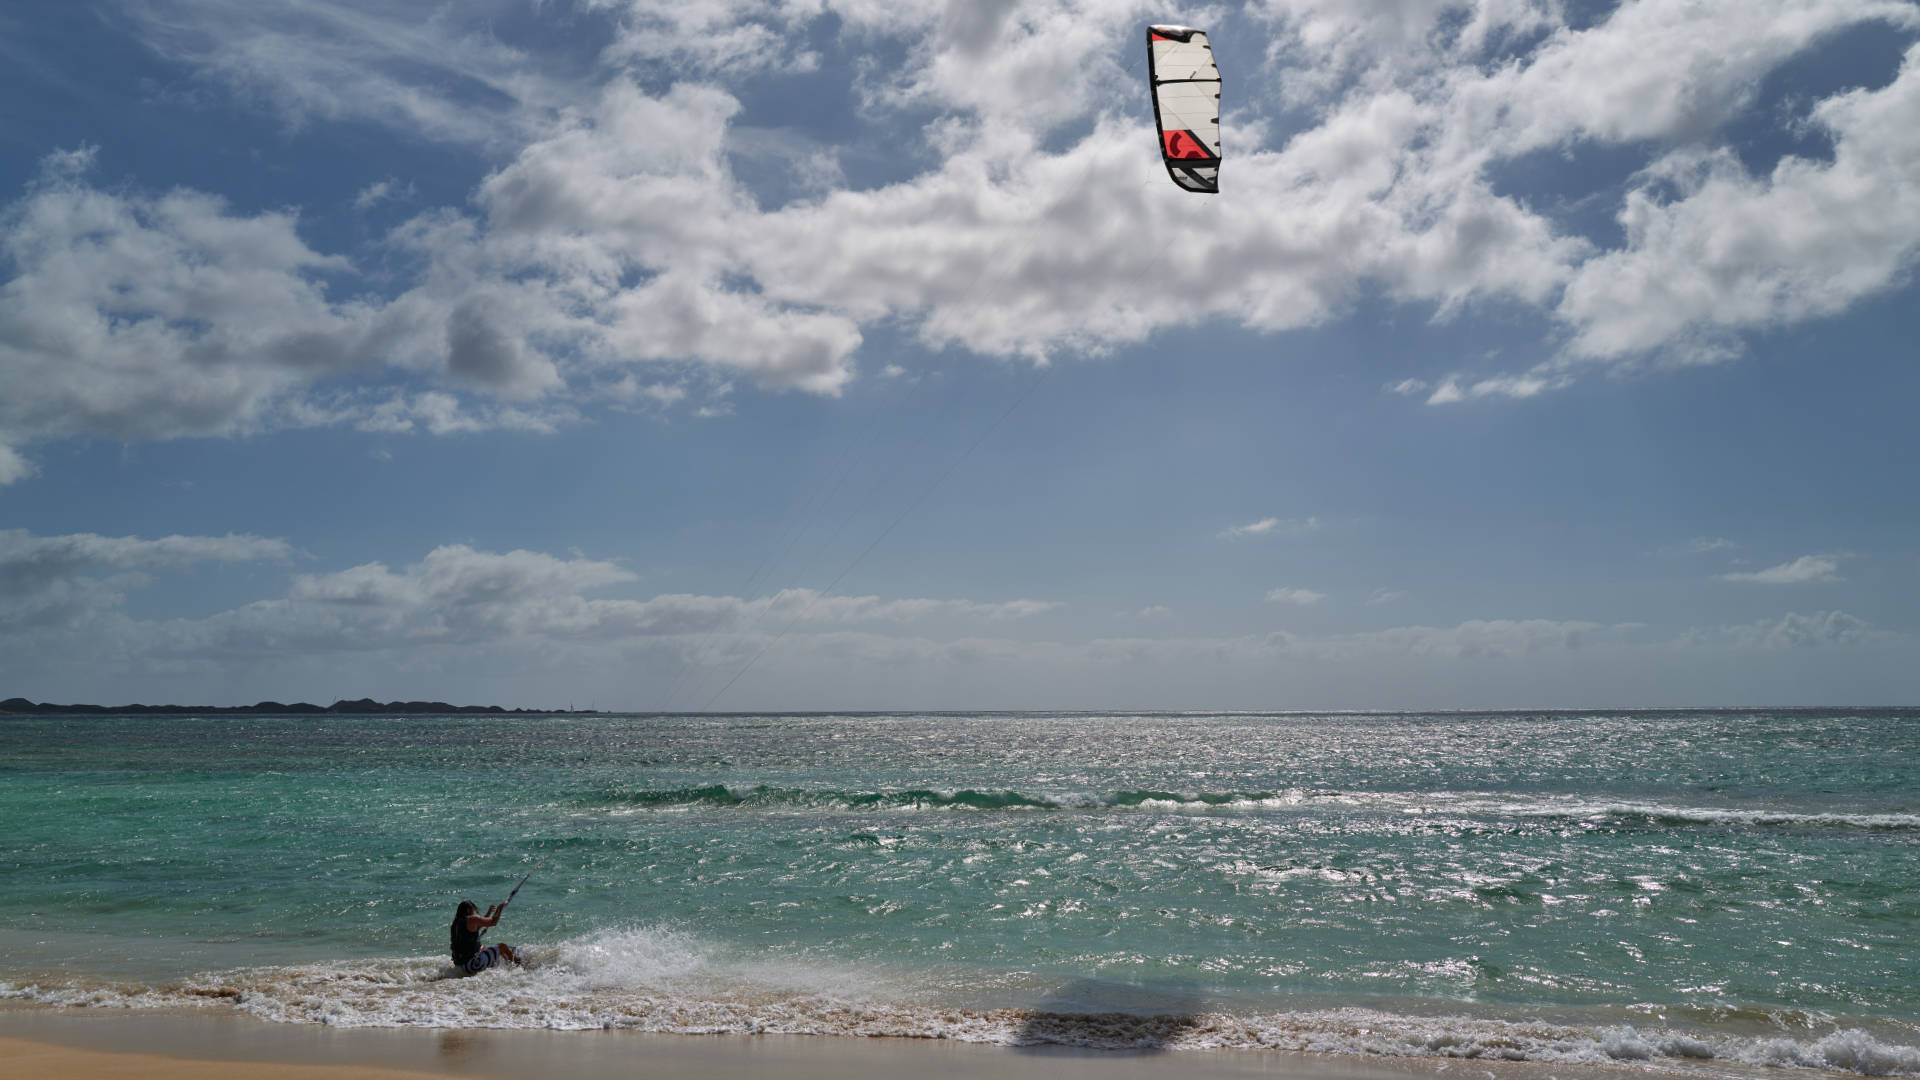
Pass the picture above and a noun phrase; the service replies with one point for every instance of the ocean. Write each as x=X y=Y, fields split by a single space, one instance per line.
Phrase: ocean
x=1713 y=892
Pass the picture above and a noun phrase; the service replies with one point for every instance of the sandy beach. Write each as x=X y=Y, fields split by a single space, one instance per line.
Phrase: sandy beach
x=164 y=1045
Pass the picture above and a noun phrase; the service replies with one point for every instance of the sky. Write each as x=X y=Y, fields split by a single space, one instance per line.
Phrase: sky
x=861 y=354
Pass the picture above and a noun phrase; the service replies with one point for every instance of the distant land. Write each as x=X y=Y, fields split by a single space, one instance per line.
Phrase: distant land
x=357 y=707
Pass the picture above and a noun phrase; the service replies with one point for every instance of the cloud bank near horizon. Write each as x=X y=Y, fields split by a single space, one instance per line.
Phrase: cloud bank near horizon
x=460 y=611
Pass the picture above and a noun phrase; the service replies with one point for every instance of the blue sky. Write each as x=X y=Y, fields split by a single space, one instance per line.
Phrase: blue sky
x=847 y=354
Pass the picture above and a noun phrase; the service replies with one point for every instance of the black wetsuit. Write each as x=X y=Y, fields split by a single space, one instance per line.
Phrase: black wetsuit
x=465 y=942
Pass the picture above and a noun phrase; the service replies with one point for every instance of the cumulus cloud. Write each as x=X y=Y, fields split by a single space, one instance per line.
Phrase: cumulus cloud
x=138 y=316
x=1806 y=569
x=1734 y=251
x=614 y=246
x=987 y=250
x=157 y=316
x=1296 y=597
x=481 y=349
x=1272 y=527
x=1710 y=250
x=613 y=240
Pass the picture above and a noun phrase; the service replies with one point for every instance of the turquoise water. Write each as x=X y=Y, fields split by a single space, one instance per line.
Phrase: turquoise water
x=1706 y=891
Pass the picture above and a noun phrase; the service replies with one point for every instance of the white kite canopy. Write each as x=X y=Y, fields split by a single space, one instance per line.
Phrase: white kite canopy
x=1186 y=105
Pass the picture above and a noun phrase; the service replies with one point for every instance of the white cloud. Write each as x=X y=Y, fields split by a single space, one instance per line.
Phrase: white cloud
x=1695 y=268
x=382 y=190
x=1736 y=251
x=600 y=197
x=1320 y=45
x=13 y=466
x=709 y=36
x=629 y=390
x=151 y=317
x=810 y=606
x=1296 y=597
x=519 y=617
x=632 y=186
x=614 y=248
x=24 y=555
x=372 y=194
x=419 y=65
x=1384 y=596
x=1272 y=527
x=1451 y=390
x=57 y=581
x=455 y=596
x=1825 y=629
x=1703 y=544
x=1807 y=569
x=1475 y=639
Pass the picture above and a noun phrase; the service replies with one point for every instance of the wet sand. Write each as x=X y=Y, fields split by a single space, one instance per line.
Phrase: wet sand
x=81 y=1044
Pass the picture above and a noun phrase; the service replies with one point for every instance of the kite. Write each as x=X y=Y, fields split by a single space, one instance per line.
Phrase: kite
x=1186 y=105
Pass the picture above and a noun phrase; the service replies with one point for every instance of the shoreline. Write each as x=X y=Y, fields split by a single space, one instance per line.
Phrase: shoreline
x=296 y=1014
x=42 y=1041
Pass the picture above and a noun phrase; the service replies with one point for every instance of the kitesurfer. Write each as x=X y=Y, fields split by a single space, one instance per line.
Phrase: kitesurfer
x=467 y=926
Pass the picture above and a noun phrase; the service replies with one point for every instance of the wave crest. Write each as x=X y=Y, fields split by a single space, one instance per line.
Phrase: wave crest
x=769 y=797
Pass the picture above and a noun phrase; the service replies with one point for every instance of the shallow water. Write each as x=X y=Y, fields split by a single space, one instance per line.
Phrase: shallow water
x=1649 y=887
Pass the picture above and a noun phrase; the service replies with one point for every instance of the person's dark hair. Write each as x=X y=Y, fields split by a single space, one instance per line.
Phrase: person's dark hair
x=467 y=907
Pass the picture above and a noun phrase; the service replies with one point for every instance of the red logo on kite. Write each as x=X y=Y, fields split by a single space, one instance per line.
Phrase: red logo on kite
x=1179 y=145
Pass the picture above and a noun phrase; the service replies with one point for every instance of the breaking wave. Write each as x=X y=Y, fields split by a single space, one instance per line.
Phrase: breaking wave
x=1487 y=804
x=1681 y=816
x=767 y=797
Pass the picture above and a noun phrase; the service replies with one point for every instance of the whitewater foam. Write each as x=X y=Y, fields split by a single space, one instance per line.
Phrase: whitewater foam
x=1700 y=815
x=767 y=797
x=1478 y=803
x=661 y=980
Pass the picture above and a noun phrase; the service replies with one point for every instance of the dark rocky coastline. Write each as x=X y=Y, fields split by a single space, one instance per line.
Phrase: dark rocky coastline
x=357 y=707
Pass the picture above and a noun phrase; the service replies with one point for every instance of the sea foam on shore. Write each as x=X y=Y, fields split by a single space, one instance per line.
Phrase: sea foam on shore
x=661 y=981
